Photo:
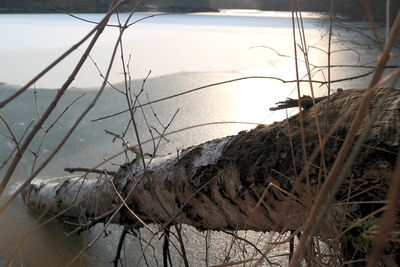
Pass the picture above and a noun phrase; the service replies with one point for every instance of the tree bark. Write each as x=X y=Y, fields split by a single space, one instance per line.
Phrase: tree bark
x=249 y=181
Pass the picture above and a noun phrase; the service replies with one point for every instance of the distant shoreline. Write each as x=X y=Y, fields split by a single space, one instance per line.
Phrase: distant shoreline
x=50 y=10
x=342 y=8
x=341 y=15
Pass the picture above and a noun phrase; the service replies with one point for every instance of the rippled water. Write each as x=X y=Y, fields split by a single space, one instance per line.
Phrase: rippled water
x=183 y=52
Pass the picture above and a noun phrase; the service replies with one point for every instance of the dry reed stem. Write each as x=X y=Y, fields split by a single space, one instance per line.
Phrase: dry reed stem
x=388 y=219
x=329 y=53
x=317 y=123
x=371 y=22
x=294 y=9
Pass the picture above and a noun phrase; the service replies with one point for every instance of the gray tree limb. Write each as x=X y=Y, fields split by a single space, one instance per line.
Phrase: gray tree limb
x=249 y=181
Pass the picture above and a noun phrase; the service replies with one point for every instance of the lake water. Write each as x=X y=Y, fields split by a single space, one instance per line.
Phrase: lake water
x=183 y=52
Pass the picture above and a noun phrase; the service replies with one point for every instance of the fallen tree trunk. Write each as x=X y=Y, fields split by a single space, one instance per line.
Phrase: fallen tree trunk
x=245 y=182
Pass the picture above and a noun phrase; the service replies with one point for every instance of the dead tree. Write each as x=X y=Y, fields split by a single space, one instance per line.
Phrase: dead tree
x=260 y=179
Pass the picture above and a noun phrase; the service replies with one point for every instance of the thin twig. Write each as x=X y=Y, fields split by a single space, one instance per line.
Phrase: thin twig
x=12 y=134
x=231 y=81
x=88 y=170
x=119 y=247
x=22 y=137
x=93 y=222
x=49 y=110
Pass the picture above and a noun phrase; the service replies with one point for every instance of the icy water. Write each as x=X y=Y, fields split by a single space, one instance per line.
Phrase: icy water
x=183 y=52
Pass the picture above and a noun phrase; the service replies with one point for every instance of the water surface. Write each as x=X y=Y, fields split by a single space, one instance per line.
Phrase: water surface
x=183 y=52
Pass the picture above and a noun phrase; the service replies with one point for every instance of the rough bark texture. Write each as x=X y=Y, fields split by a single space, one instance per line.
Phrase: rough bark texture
x=219 y=184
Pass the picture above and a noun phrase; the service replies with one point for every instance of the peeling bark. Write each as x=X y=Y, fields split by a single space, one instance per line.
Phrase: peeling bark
x=244 y=182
